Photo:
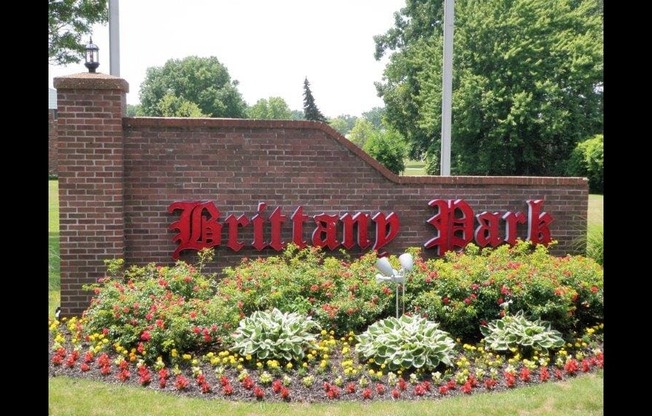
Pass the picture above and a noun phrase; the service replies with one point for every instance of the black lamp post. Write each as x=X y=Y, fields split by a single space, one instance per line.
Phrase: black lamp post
x=92 y=56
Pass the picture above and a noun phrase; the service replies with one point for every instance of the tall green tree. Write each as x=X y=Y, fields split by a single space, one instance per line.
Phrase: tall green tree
x=202 y=81
x=527 y=83
x=69 y=24
x=274 y=108
x=310 y=110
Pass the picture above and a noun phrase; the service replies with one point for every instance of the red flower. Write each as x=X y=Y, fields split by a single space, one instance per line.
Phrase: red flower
x=276 y=386
x=285 y=393
x=259 y=392
x=510 y=379
x=205 y=388
x=419 y=390
x=524 y=375
x=333 y=392
x=350 y=388
x=401 y=384
x=466 y=388
x=544 y=374
x=181 y=382
x=490 y=383
x=443 y=389
x=396 y=393
x=124 y=375
x=380 y=388
x=85 y=367
x=366 y=393
x=248 y=383
x=571 y=366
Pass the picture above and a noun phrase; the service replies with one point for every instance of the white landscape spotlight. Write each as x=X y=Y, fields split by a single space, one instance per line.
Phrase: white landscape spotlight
x=389 y=274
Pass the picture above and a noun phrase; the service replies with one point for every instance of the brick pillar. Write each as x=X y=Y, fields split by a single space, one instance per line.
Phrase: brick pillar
x=91 y=181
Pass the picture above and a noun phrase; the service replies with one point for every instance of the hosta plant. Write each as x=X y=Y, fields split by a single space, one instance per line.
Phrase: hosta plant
x=275 y=335
x=516 y=331
x=408 y=342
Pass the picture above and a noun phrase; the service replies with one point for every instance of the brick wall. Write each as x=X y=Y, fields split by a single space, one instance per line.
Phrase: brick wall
x=118 y=180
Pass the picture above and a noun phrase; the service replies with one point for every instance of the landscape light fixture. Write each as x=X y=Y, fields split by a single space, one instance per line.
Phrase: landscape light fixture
x=92 y=56
x=389 y=274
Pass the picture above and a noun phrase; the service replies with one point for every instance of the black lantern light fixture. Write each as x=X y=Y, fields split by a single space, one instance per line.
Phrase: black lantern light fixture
x=92 y=56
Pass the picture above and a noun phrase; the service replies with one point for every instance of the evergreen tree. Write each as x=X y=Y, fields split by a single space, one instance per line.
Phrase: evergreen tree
x=310 y=110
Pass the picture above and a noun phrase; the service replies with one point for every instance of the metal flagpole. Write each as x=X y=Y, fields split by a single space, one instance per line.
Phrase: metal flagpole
x=114 y=37
x=447 y=88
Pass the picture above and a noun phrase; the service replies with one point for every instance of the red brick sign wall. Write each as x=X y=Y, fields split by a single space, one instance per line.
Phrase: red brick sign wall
x=137 y=185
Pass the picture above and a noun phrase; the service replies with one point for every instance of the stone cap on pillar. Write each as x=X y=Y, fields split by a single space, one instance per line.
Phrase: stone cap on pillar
x=89 y=81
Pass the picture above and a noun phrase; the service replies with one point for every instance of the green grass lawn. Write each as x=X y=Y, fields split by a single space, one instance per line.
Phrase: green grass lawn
x=581 y=396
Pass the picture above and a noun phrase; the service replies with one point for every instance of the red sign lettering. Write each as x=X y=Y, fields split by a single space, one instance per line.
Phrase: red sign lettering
x=453 y=224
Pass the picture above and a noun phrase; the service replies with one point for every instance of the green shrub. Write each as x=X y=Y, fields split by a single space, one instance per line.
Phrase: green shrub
x=339 y=294
x=388 y=148
x=408 y=342
x=516 y=331
x=155 y=309
x=587 y=159
x=275 y=335
x=464 y=290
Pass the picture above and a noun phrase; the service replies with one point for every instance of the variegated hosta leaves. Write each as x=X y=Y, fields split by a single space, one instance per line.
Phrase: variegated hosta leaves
x=515 y=331
x=406 y=342
x=275 y=335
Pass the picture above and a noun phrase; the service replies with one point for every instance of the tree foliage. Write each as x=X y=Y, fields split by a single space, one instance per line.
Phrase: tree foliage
x=375 y=116
x=387 y=147
x=361 y=132
x=173 y=106
x=274 y=108
x=68 y=22
x=587 y=160
x=527 y=82
x=190 y=84
x=310 y=110
x=343 y=123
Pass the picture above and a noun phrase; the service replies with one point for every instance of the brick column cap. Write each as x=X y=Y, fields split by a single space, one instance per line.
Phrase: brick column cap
x=91 y=81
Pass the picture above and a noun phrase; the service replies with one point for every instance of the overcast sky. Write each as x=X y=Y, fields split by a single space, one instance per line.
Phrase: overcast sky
x=268 y=46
